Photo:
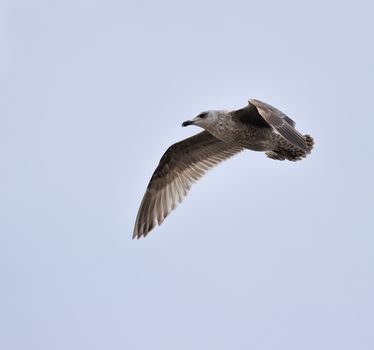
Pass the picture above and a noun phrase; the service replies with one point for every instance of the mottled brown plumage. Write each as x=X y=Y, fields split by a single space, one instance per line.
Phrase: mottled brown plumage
x=183 y=163
x=258 y=126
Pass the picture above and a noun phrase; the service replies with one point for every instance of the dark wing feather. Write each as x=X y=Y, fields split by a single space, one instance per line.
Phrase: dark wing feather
x=281 y=123
x=249 y=115
x=182 y=164
x=288 y=120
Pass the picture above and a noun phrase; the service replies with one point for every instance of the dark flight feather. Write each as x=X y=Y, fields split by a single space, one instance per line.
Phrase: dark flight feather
x=182 y=164
x=260 y=113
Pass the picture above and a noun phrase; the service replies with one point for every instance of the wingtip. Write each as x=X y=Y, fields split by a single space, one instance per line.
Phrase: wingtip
x=254 y=102
x=137 y=234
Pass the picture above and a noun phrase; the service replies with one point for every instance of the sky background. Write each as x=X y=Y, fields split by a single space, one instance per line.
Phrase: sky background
x=262 y=254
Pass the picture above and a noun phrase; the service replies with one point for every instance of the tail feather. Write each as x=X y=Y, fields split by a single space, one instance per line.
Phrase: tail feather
x=292 y=153
x=309 y=141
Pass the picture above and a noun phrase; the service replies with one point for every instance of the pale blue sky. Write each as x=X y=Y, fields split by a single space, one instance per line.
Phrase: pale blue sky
x=262 y=254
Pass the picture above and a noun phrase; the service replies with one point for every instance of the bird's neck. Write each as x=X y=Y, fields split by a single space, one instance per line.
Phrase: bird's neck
x=221 y=125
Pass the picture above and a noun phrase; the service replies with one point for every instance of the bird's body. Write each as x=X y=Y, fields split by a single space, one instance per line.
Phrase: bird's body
x=231 y=130
x=258 y=127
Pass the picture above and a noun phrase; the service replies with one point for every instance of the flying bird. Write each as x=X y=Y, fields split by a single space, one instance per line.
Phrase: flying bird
x=258 y=127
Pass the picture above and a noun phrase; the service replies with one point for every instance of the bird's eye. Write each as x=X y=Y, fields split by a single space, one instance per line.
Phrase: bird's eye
x=203 y=115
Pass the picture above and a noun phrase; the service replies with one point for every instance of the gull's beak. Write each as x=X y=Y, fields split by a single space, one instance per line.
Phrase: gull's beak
x=187 y=122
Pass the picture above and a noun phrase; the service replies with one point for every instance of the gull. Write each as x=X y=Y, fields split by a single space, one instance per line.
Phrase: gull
x=258 y=127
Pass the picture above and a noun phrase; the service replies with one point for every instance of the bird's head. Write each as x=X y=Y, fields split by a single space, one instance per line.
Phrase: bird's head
x=205 y=120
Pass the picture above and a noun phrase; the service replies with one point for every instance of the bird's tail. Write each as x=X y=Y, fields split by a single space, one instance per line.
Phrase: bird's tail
x=294 y=154
x=310 y=142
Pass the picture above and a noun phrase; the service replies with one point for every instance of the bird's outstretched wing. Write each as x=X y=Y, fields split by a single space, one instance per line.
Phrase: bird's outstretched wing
x=281 y=123
x=182 y=164
x=259 y=113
